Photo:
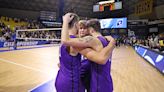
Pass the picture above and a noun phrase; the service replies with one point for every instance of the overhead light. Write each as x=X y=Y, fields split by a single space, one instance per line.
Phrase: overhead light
x=104 y=2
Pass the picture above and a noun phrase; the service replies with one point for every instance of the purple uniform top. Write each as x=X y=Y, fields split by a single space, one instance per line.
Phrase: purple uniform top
x=101 y=80
x=85 y=66
x=85 y=73
x=68 y=77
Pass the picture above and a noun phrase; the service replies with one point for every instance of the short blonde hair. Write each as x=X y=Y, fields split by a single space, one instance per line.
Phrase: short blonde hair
x=82 y=23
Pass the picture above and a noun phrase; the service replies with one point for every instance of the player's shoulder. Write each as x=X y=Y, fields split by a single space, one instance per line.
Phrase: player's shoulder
x=89 y=38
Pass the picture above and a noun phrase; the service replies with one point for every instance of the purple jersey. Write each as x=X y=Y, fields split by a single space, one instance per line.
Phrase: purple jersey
x=101 y=80
x=68 y=77
x=85 y=73
x=85 y=66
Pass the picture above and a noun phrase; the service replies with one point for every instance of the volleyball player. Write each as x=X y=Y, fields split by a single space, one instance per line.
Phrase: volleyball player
x=68 y=76
x=101 y=80
x=85 y=64
x=100 y=68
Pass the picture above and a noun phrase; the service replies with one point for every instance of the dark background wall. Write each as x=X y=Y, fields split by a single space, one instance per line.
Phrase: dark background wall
x=19 y=13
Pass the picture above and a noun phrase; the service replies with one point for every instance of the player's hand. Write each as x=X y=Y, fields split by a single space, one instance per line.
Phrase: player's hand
x=109 y=38
x=68 y=17
x=58 y=65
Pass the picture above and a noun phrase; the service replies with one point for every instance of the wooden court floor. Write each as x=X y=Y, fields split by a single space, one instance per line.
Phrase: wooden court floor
x=22 y=70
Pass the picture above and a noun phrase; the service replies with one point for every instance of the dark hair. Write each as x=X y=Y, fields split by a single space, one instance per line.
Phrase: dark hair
x=94 y=23
x=74 y=20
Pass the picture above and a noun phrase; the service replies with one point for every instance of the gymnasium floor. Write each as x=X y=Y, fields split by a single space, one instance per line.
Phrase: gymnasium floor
x=23 y=70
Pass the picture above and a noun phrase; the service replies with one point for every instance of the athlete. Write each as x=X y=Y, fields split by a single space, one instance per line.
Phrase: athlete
x=68 y=74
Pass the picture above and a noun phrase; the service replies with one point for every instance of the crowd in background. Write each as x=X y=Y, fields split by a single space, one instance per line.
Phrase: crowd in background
x=7 y=33
x=153 y=41
x=38 y=34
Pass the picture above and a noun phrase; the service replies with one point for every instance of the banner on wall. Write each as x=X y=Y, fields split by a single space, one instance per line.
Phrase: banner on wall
x=113 y=23
x=144 y=7
x=154 y=58
x=23 y=43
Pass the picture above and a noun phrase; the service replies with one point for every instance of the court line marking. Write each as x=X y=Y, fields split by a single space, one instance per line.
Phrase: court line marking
x=48 y=56
x=27 y=67
x=35 y=53
x=51 y=73
x=41 y=84
x=26 y=48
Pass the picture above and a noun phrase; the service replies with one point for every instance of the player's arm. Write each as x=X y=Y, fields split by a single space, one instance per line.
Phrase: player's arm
x=76 y=42
x=102 y=56
x=65 y=27
x=84 y=42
